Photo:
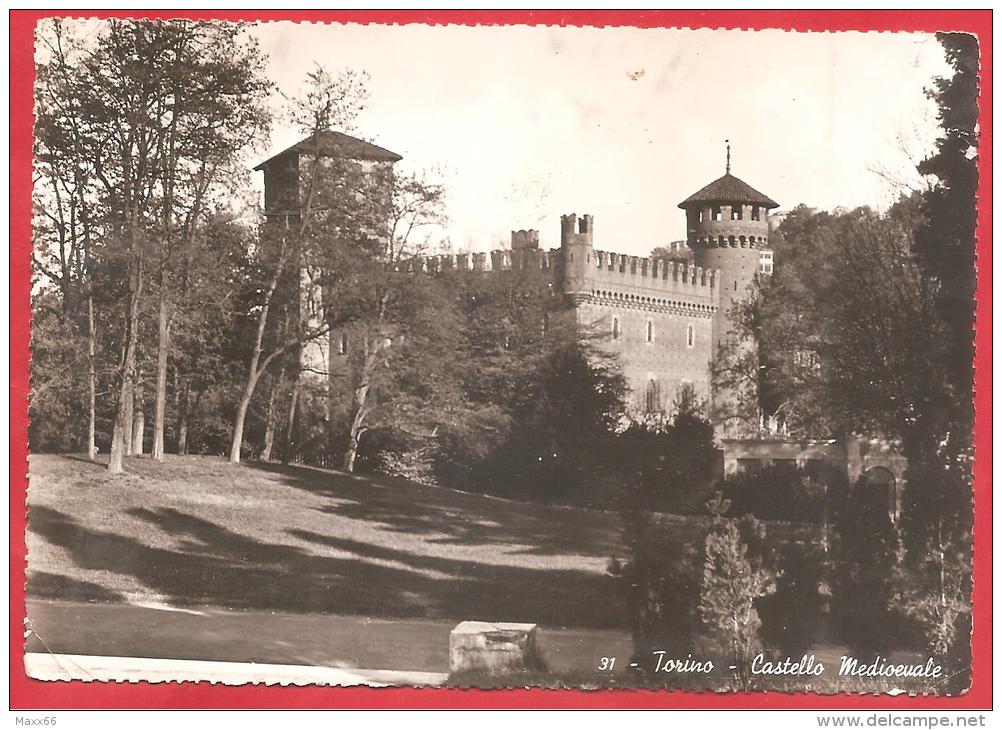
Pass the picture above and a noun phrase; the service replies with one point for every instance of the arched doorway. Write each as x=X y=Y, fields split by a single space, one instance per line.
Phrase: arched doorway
x=882 y=487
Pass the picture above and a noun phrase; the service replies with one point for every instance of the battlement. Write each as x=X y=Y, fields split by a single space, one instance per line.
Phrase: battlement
x=655 y=268
x=647 y=280
x=499 y=260
x=524 y=240
x=585 y=274
x=576 y=231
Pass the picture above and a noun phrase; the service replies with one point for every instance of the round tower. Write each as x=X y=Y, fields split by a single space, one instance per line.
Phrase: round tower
x=577 y=252
x=727 y=225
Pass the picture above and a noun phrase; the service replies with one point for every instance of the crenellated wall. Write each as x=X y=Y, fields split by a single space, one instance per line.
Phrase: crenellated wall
x=655 y=316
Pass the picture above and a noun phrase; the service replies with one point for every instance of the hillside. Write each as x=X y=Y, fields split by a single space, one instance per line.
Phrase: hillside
x=200 y=531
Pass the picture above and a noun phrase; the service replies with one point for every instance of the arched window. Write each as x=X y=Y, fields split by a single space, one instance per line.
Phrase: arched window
x=690 y=337
x=882 y=488
x=650 y=331
x=615 y=328
x=653 y=396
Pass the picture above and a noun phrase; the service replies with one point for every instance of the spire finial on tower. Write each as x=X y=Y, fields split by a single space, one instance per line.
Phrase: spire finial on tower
x=728 y=143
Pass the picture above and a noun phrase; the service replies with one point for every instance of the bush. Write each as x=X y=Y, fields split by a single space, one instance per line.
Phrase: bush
x=733 y=580
x=794 y=614
x=780 y=492
x=662 y=588
x=864 y=556
x=678 y=459
x=933 y=594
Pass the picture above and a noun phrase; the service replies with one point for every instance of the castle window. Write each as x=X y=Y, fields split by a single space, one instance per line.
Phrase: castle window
x=653 y=396
x=755 y=213
x=615 y=328
x=342 y=345
x=650 y=331
x=716 y=213
x=735 y=212
x=690 y=337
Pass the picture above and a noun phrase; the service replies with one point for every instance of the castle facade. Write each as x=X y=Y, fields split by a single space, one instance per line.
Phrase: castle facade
x=662 y=320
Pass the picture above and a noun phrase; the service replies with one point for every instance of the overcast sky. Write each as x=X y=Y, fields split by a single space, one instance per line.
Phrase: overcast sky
x=524 y=124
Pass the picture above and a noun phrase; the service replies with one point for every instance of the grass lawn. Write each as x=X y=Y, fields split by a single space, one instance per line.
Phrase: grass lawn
x=199 y=531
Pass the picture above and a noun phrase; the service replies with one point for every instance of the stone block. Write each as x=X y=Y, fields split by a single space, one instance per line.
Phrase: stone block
x=496 y=648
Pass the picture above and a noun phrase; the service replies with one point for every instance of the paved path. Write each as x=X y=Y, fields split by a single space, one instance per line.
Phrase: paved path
x=346 y=643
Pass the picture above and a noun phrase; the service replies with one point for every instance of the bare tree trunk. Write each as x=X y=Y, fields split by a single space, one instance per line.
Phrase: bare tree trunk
x=160 y=400
x=269 y=428
x=333 y=349
x=253 y=372
x=130 y=413
x=91 y=384
x=182 y=420
x=359 y=405
x=290 y=429
x=139 y=417
x=120 y=436
x=242 y=406
x=356 y=430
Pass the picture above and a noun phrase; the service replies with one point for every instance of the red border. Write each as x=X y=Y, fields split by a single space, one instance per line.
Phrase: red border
x=30 y=694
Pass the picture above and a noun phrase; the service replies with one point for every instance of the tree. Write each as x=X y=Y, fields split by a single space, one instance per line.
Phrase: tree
x=212 y=110
x=138 y=126
x=65 y=198
x=328 y=182
x=678 y=457
x=731 y=585
x=564 y=403
x=735 y=371
x=385 y=302
x=865 y=558
x=944 y=243
x=945 y=249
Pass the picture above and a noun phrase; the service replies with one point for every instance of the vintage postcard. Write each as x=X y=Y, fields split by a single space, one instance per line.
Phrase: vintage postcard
x=503 y=355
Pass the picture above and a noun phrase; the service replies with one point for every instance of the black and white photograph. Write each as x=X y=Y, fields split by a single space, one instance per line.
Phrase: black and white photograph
x=502 y=356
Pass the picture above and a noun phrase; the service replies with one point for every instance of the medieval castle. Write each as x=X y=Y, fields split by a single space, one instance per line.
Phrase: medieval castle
x=663 y=320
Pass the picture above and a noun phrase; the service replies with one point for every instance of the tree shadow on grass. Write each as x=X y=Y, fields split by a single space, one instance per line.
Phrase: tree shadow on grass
x=41 y=583
x=450 y=517
x=216 y=566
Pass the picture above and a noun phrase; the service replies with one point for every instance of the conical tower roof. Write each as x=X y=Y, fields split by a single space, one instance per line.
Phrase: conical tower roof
x=728 y=189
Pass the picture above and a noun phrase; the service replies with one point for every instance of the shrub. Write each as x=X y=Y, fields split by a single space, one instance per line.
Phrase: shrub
x=677 y=458
x=779 y=492
x=730 y=587
x=864 y=557
x=791 y=617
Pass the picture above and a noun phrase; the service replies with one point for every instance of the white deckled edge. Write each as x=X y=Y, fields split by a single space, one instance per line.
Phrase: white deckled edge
x=66 y=667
